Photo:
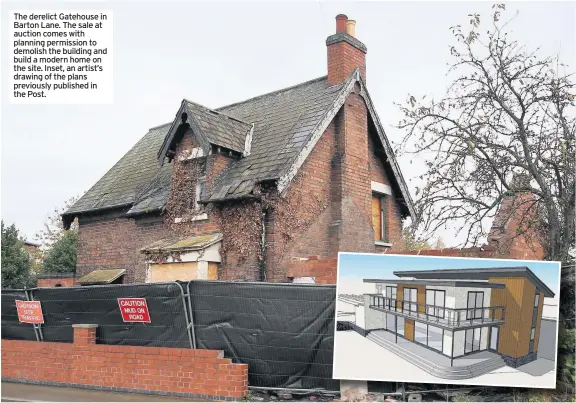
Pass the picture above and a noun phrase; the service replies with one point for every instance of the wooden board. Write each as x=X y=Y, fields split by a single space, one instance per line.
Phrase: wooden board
x=376 y=217
x=409 y=329
x=160 y=273
x=518 y=300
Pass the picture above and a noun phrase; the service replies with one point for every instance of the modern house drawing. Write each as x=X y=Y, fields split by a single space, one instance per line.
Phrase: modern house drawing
x=457 y=323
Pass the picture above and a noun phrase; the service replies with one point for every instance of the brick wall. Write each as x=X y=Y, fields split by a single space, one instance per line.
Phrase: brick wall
x=115 y=244
x=323 y=270
x=203 y=374
x=57 y=280
x=343 y=59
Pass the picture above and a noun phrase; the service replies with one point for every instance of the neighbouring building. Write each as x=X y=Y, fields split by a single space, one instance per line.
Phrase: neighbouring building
x=243 y=191
x=459 y=313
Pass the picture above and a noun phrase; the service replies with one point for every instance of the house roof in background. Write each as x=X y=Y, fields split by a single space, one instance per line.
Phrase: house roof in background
x=479 y=274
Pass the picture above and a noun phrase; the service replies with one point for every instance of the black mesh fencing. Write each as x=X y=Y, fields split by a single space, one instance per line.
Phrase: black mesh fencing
x=65 y=306
x=11 y=327
x=284 y=332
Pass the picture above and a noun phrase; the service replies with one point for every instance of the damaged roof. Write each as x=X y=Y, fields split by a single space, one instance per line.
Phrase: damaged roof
x=134 y=180
x=212 y=126
x=283 y=122
x=284 y=126
x=101 y=276
x=185 y=244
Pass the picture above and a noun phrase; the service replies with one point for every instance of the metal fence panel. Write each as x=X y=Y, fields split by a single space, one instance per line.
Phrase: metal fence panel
x=284 y=332
x=65 y=306
x=11 y=326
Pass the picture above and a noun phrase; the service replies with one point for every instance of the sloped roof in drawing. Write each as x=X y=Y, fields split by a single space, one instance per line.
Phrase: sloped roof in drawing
x=284 y=127
x=479 y=274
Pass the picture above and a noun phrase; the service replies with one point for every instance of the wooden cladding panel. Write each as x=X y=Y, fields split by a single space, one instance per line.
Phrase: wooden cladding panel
x=377 y=217
x=409 y=329
x=518 y=301
x=420 y=296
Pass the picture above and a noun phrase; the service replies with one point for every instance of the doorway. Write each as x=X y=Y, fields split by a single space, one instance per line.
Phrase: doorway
x=494 y=330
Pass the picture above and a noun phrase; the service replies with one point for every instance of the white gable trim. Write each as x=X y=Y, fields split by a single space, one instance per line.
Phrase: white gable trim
x=285 y=180
x=381 y=188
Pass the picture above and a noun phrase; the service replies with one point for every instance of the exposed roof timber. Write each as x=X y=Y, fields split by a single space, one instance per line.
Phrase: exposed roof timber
x=347 y=88
x=479 y=274
x=472 y=284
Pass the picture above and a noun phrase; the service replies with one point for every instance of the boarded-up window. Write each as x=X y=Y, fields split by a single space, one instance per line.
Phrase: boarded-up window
x=379 y=217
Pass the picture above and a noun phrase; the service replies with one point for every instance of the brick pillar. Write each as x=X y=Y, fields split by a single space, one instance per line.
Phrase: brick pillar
x=351 y=220
x=85 y=335
x=345 y=53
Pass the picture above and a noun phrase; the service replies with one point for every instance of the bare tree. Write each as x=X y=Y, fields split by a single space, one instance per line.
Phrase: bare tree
x=53 y=228
x=508 y=115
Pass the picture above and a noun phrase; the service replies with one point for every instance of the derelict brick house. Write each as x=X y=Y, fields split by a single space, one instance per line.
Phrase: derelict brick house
x=238 y=192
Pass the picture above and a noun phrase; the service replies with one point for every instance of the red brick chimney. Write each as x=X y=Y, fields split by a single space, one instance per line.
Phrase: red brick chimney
x=345 y=52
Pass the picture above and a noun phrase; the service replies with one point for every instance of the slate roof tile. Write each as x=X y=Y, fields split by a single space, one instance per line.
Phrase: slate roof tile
x=283 y=121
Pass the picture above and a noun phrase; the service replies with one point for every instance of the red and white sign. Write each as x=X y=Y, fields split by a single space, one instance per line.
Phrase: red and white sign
x=134 y=310
x=29 y=312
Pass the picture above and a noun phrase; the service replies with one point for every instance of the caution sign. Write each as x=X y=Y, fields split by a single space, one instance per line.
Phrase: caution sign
x=29 y=312
x=134 y=310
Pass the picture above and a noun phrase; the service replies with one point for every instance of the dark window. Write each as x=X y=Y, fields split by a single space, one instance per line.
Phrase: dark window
x=472 y=340
x=391 y=292
x=379 y=217
x=475 y=304
x=435 y=302
x=410 y=297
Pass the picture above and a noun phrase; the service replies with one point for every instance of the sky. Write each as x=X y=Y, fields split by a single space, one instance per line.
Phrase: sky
x=355 y=266
x=216 y=53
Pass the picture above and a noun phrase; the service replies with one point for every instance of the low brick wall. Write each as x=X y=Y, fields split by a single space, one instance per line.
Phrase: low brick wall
x=203 y=374
x=57 y=280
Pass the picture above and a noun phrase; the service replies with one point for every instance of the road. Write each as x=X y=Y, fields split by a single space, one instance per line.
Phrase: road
x=19 y=392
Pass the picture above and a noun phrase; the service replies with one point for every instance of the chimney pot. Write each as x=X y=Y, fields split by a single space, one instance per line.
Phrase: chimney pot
x=351 y=28
x=341 y=20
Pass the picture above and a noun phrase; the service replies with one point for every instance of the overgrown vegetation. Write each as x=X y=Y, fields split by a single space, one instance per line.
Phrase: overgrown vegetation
x=506 y=126
x=16 y=262
x=59 y=245
x=61 y=257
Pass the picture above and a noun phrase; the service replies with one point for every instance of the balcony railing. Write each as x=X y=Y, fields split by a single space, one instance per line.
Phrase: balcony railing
x=445 y=316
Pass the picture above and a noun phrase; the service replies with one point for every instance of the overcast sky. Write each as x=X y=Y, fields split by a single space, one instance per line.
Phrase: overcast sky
x=360 y=266
x=216 y=53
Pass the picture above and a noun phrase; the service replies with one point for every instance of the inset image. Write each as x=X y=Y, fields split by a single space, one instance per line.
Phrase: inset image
x=447 y=320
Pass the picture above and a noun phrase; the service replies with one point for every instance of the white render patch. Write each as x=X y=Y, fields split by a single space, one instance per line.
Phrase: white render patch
x=248 y=142
x=381 y=188
x=304 y=280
